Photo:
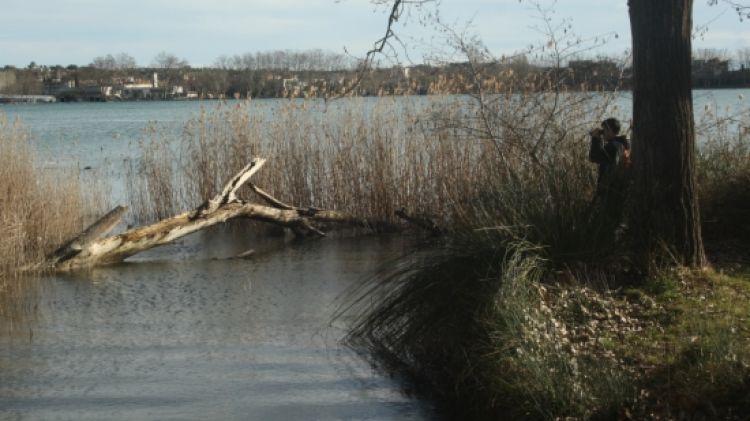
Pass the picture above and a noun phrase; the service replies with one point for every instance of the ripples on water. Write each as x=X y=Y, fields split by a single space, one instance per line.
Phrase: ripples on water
x=179 y=335
x=88 y=133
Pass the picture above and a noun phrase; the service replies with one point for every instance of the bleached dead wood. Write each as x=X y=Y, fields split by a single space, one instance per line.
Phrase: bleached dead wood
x=221 y=208
x=104 y=225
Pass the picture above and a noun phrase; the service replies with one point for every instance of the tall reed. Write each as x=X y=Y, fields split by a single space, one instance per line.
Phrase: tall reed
x=39 y=209
x=724 y=174
x=368 y=157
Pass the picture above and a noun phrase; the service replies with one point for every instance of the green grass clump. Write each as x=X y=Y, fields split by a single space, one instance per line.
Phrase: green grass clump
x=549 y=361
x=494 y=340
x=510 y=341
x=696 y=359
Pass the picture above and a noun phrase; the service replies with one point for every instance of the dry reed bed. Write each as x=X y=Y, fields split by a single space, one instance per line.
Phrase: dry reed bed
x=370 y=157
x=724 y=175
x=500 y=159
x=38 y=209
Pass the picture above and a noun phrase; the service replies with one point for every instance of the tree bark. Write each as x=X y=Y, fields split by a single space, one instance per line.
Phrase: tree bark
x=665 y=220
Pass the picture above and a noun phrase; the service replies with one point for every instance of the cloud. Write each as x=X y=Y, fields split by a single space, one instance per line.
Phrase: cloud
x=21 y=53
x=719 y=36
x=78 y=30
x=729 y=41
x=75 y=31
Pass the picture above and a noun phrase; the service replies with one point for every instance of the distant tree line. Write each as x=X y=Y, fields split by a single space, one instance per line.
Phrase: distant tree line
x=296 y=61
x=110 y=62
x=321 y=73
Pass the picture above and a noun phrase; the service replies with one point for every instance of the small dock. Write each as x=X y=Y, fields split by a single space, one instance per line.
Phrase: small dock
x=27 y=99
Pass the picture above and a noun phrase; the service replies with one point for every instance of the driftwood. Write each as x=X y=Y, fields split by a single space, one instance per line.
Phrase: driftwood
x=88 y=250
x=103 y=226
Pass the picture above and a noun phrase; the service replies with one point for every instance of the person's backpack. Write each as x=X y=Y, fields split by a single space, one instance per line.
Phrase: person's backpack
x=626 y=158
x=621 y=172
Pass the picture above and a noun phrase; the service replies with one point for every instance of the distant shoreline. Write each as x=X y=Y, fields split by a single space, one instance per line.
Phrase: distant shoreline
x=10 y=99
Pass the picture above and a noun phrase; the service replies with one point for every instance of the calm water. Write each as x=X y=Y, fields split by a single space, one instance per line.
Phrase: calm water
x=93 y=134
x=183 y=333
x=179 y=334
x=103 y=139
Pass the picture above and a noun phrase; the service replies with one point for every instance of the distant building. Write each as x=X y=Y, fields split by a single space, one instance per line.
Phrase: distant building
x=708 y=73
x=594 y=69
x=93 y=93
x=594 y=73
x=407 y=72
x=7 y=79
x=57 y=86
x=141 y=89
x=713 y=67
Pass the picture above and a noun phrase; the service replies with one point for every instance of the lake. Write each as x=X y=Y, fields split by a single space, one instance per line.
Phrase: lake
x=183 y=332
x=90 y=133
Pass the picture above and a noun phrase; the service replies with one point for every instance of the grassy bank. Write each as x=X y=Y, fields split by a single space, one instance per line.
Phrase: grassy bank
x=511 y=342
x=526 y=312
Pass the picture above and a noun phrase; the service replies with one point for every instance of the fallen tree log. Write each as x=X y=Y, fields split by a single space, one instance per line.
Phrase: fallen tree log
x=224 y=206
x=104 y=225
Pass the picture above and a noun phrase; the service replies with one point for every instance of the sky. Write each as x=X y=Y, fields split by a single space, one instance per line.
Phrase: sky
x=75 y=31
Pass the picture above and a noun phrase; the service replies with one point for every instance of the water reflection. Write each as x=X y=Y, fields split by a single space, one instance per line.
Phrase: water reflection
x=180 y=334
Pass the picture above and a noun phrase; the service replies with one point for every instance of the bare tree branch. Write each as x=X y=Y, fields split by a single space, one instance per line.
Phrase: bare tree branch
x=742 y=8
x=397 y=9
x=90 y=249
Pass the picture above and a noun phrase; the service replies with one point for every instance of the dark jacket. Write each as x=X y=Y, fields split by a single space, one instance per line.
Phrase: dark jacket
x=611 y=159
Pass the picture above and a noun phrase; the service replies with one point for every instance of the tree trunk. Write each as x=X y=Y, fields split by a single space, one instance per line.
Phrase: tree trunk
x=665 y=219
x=88 y=250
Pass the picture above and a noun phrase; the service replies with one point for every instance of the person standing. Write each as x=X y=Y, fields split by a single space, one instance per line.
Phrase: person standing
x=611 y=152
